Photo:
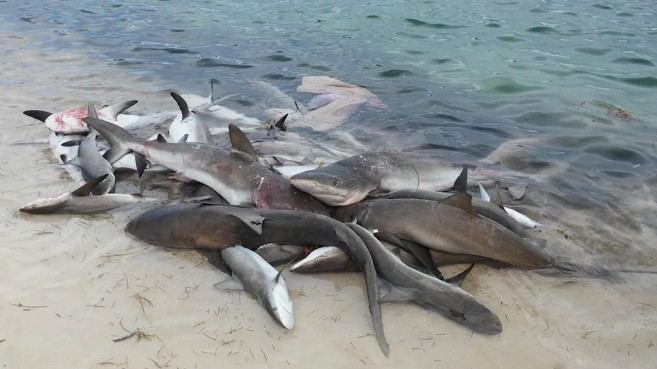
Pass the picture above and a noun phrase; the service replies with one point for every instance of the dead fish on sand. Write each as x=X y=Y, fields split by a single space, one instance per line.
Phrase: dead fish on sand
x=81 y=201
x=252 y=273
x=451 y=225
x=71 y=121
x=350 y=180
x=221 y=226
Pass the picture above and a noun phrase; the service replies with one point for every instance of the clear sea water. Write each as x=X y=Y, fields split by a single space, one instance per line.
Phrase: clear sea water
x=569 y=85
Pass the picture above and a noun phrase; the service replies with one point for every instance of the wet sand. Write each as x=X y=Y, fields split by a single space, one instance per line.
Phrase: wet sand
x=78 y=292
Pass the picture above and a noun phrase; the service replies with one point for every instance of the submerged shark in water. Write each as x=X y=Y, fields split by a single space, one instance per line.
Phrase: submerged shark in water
x=252 y=273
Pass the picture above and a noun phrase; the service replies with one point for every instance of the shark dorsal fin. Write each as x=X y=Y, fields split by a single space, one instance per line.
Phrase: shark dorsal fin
x=240 y=142
x=114 y=110
x=184 y=138
x=461 y=182
x=497 y=198
x=280 y=124
x=160 y=138
x=91 y=111
x=461 y=200
x=182 y=104
x=38 y=114
x=85 y=189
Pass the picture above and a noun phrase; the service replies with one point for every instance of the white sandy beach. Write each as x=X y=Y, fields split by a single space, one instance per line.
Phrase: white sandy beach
x=77 y=292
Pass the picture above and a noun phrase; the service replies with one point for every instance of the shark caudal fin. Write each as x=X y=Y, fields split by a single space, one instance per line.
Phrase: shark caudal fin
x=114 y=110
x=117 y=137
x=38 y=114
x=182 y=105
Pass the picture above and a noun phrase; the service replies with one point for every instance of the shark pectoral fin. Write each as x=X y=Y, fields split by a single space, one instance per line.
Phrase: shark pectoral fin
x=229 y=284
x=461 y=182
x=424 y=256
x=253 y=221
x=38 y=114
x=240 y=142
x=75 y=161
x=182 y=105
x=393 y=293
x=114 y=110
x=91 y=111
x=458 y=279
x=71 y=143
x=461 y=200
x=85 y=189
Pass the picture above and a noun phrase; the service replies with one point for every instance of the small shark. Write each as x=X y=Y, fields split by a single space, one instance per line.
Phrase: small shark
x=80 y=201
x=252 y=273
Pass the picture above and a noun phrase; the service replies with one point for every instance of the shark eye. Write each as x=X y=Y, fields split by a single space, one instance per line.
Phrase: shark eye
x=334 y=181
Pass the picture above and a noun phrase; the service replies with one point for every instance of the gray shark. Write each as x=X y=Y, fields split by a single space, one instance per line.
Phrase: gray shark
x=252 y=273
x=94 y=165
x=235 y=175
x=451 y=226
x=80 y=201
x=350 y=180
x=449 y=300
x=220 y=226
x=481 y=206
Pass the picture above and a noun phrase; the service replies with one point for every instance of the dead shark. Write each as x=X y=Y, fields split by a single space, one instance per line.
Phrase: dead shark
x=235 y=175
x=451 y=225
x=221 y=226
x=451 y=301
x=252 y=273
x=350 y=180
x=80 y=201
x=71 y=121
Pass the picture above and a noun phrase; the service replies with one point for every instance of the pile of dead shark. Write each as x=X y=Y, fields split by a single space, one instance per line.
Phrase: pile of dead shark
x=260 y=186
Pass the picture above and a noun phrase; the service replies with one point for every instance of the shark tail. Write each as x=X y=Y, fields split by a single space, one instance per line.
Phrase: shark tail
x=114 y=110
x=119 y=139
